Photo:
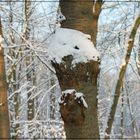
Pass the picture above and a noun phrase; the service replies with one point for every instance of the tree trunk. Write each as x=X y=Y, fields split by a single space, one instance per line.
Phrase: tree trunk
x=79 y=122
x=80 y=16
x=12 y=77
x=4 y=114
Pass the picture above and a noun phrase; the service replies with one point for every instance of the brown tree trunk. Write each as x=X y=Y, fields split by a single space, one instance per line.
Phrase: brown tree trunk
x=78 y=121
x=26 y=35
x=4 y=114
x=79 y=16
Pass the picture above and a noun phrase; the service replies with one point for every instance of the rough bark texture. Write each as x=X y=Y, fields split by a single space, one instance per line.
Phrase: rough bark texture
x=4 y=114
x=79 y=16
x=79 y=122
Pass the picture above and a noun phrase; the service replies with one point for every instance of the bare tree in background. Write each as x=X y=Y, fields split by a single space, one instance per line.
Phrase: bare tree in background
x=26 y=36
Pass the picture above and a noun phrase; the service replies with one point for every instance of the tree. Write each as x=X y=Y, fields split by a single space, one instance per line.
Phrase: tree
x=81 y=123
x=4 y=114
x=12 y=85
x=26 y=36
x=122 y=72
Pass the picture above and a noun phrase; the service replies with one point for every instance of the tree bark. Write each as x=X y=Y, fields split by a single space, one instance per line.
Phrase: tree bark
x=79 y=122
x=4 y=114
x=80 y=16
x=26 y=35
x=138 y=58
x=12 y=76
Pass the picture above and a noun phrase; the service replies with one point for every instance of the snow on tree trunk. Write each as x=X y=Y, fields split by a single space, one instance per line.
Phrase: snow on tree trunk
x=76 y=62
x=81 y=16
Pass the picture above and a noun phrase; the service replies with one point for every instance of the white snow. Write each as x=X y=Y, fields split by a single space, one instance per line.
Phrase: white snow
x=130 y=39
x=94 y=6
x=123 y=64
x=78 y=95
x=66 y=42
x=68 y=91
x=138 y=61
x=64 y=93
x=1 y=39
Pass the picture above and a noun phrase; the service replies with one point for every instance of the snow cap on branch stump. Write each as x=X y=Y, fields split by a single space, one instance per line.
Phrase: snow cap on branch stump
x=76 y=62
x=77 y=96
x=74 y=58
x=69 y=42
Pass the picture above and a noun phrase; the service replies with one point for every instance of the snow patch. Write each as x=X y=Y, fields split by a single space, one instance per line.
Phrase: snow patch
x=94 y=6
x=68 y=91
x=66 y=42
x=1 y=42
x=1 y=39
x=123 y=64
x=79 y=97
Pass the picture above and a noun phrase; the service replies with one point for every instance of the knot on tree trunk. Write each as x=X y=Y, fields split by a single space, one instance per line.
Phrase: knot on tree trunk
x=72 y=106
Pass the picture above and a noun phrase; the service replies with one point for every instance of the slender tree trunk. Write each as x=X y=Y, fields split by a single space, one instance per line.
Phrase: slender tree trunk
x=121 y=74
x=12 y=76
x=4 y=114
x=31 y=79
x=26 y=35
x=133 y=125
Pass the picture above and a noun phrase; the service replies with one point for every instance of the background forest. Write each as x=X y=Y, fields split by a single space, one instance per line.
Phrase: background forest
x=33 y=89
